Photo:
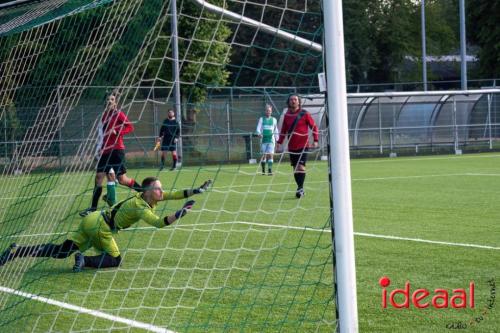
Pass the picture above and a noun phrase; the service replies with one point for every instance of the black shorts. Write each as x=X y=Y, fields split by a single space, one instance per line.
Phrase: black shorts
x=115 y=159
x=298 y=157
x=168 y=145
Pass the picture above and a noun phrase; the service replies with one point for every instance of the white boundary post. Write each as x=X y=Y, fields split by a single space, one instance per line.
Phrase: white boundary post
x=340 y=173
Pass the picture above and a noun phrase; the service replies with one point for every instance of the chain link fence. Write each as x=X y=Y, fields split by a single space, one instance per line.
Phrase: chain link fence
x=221 y=130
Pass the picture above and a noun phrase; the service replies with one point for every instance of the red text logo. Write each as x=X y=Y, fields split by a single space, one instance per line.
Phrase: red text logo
x=422 y=298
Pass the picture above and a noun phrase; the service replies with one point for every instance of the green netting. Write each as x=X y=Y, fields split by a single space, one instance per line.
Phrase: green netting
x=250 y=257
x=28 y=15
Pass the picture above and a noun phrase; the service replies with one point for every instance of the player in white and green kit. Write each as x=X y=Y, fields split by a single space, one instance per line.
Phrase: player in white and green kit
x=267 y=130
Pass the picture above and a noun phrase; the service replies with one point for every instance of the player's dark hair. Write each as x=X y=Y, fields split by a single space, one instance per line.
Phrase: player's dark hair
x=148 y=181
x=290 y=96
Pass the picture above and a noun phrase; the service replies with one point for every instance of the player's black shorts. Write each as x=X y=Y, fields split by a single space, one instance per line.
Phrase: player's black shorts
x=168 y=145
x=115 y=159
x=298 y=157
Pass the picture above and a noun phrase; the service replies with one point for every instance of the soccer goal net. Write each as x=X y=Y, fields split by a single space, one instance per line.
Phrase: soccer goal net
x=250 y=256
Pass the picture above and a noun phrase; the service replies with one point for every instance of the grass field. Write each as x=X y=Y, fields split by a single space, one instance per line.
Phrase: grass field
x=252 y=258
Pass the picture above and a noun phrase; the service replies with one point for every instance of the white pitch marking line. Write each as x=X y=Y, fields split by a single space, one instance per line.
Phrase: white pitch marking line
x=355 y=233
x=381 y=236
x=277 y=226
x=363 y=179
x=410 y=177
x=427 y=241
x=360 y=234
x=429 y=176
x=289 y=183
x=411 y=159
x=94 y=313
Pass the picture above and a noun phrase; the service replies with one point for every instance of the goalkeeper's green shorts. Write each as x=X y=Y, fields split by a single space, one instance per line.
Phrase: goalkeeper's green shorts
x=94 y=232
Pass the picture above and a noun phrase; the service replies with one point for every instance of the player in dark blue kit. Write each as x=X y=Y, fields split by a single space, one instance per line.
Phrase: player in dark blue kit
x=169 y=135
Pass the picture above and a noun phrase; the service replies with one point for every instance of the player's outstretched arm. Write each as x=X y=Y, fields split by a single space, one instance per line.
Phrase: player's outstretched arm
x=180 y=213
x=205 y=186
x=182 y=194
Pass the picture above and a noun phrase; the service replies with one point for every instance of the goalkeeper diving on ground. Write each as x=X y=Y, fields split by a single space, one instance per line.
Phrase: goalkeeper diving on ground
x=96 y=229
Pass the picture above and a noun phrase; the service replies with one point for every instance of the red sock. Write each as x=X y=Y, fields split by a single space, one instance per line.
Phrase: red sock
x=134 y=185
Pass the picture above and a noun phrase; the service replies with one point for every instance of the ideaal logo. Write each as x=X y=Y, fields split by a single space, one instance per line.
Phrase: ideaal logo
x=422 y=298
x=439 y=299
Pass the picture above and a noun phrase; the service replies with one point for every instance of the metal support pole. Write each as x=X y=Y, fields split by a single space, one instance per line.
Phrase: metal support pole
x=251 y=146
x=5 y=137
x=82 y=126
x=156 y=124
x=59 y=112
x=393 y=131
x=339 y=168
x=489 y=120
x=380 y=145
x=391 y=138
x=177 y=81
x=228 y=125
x=455 y=128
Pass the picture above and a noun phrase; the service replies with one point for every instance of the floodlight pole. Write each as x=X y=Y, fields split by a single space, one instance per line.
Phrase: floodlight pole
x=424 y=51
x=176 y=72
x=463 y=46
x=340 y=173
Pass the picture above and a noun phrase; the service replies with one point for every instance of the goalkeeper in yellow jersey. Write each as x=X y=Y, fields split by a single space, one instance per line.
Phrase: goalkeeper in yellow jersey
x=96 y=229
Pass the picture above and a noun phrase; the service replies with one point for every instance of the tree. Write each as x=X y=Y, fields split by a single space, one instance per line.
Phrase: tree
x=381 y=35
x=203 y=53
x=360 y=46
x=205 y=50
x=483 y=30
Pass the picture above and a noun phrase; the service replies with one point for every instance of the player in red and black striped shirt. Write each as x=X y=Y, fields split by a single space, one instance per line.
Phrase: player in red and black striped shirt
x=111 y=149
x=297 y=132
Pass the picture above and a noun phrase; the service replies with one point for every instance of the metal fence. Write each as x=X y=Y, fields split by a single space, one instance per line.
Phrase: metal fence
x=221 y=130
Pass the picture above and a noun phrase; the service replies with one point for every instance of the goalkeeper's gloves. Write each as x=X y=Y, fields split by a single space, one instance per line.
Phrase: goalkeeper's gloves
x=184 y=210
x=157 y=146
x=203 y=187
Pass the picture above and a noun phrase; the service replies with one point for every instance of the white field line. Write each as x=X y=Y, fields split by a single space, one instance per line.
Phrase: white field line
x=277 y=226
x=419 y=240
x=353 y=161
x=424 y=158
x=366 y=179
x=430 y=176
x=378 y=236
x=79 y=309
x=411 y=177
x=367 y=160
x=216 y=189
